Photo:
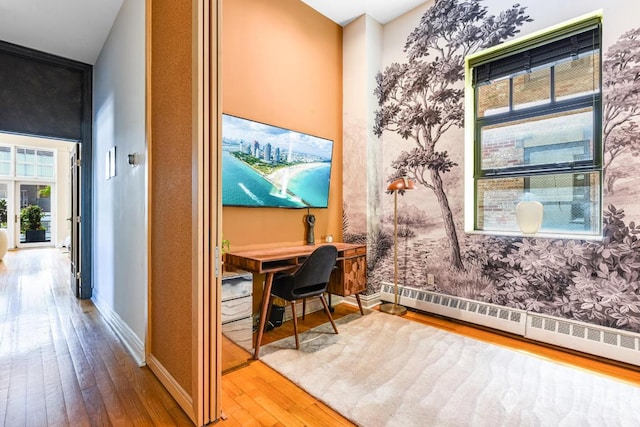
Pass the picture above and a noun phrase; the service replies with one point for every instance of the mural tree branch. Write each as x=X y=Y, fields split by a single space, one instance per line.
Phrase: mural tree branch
x=621 y=87
x=423 y=98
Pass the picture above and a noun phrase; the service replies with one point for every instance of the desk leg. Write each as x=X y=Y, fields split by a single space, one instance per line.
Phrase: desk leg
x=359 y=304
x=331 y=309
x=264 y=308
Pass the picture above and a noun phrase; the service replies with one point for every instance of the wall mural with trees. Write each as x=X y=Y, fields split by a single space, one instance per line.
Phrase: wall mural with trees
x=418 y=120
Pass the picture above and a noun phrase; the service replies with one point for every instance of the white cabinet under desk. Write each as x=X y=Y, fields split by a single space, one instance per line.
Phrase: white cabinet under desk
x=236 y=314
x=236 y=296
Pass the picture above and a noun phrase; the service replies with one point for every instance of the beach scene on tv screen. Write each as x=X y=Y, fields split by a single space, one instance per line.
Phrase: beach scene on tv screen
x=268 y=166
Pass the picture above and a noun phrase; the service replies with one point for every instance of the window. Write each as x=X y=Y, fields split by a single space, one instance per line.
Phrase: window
x=34 y=163
x=5 y=161
x=536 y=126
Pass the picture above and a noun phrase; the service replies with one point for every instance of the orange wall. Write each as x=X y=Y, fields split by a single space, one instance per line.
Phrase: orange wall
x=282 y=65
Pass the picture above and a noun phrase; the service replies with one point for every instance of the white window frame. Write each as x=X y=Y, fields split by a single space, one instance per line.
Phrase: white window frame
x=538 y=38
x=11 y=162
x=35 y=164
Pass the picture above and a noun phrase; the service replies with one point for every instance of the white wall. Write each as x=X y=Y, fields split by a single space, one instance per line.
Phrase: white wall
x=362 y=155
x=119 y=206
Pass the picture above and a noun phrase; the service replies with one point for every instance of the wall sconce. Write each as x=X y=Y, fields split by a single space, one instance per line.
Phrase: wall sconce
x=133 y=159
x=110 y=163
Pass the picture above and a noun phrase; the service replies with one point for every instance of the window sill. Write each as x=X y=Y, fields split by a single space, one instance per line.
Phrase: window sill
x=541 y=235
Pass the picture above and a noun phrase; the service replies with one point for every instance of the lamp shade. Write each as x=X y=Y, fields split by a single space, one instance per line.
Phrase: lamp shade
x=403 y=183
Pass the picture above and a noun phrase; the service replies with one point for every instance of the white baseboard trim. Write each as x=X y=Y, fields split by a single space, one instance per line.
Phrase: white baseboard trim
x=314 y=304
x=368 y=301
x=129 y=339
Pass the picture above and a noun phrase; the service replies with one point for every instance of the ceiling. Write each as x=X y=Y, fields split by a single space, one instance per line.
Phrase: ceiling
x=345 y=11
x=74 y=29
x=77 y=29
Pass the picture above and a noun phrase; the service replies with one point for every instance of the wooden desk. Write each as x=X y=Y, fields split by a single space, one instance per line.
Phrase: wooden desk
x=349 y=278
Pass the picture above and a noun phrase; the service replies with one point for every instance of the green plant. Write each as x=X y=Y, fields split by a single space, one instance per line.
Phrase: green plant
x=226 y=246
x=31 y=217
x=45 y=192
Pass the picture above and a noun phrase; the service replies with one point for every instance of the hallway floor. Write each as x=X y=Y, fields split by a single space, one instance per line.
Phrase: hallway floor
x=60 y=364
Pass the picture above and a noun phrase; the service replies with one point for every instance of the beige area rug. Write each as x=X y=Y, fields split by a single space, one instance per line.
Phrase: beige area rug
x=383 y=370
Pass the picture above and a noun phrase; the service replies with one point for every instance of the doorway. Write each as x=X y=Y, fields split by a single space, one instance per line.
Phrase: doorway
x=36 y=194
x=35 y=225
x=51 y=97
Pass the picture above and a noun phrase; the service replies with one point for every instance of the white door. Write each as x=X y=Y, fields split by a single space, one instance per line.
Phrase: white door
x=7 y=210
x=75 y=221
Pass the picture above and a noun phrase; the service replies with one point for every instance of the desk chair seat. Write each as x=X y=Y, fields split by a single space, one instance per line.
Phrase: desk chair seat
x=311 y=279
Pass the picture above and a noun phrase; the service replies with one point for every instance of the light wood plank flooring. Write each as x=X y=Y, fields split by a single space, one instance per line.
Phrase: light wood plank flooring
x=60 y=364
x=246 y=385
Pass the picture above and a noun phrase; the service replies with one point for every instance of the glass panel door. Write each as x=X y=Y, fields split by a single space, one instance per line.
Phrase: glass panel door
x=34 y=213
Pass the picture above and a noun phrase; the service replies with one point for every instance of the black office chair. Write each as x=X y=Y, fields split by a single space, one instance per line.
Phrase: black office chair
x=309 y=280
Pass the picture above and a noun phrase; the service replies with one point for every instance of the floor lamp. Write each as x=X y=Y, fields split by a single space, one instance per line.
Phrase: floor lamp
x=399 y=184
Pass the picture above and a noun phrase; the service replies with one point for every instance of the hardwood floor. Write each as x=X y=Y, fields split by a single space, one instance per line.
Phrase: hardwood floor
x=61 y=365
x=256 y=395
x=246 y=389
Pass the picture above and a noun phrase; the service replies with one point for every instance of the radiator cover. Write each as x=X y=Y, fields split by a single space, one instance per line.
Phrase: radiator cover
x=601 y=341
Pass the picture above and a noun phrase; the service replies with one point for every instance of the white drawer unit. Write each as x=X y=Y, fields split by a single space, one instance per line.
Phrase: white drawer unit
x=235 y=309
x=237 y=304
x=236 y=286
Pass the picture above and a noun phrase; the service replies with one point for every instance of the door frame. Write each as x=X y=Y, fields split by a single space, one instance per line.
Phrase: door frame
x=200 y=396
x=28 y=123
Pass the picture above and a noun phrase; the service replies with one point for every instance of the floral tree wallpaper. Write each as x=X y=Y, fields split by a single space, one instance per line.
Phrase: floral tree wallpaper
x=419 y=120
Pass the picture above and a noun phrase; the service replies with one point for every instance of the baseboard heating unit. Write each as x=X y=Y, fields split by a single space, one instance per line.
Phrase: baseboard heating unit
x=601 y=341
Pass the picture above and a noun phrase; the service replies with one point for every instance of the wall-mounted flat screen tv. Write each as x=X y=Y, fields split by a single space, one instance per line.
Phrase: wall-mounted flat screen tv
x=268 y=166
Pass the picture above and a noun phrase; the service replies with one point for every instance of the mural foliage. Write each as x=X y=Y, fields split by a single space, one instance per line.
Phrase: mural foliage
x=591 y=281
x=595 y=282
x=422 y=98
x=621 y=86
